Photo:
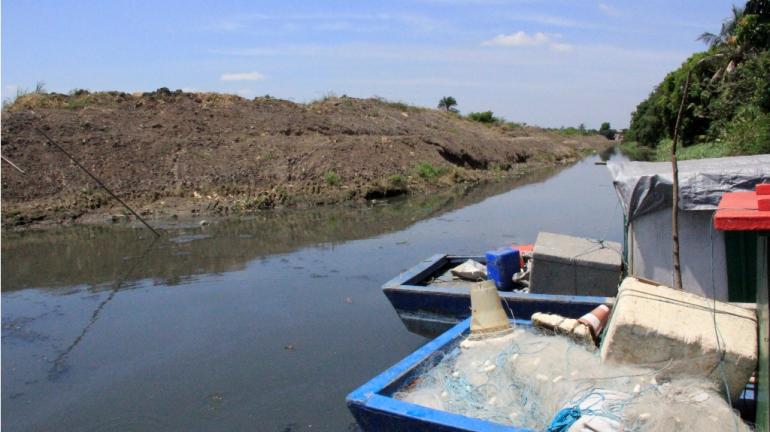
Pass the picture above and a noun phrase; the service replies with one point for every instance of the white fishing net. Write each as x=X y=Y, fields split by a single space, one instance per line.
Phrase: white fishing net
x=534 y=380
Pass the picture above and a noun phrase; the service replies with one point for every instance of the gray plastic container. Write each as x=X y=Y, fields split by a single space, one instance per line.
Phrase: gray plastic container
x=569 y=265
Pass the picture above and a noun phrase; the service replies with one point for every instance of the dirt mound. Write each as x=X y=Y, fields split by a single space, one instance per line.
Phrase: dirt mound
x=169 y=152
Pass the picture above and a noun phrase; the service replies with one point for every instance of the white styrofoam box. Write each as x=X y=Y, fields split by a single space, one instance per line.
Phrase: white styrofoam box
x=676 y=331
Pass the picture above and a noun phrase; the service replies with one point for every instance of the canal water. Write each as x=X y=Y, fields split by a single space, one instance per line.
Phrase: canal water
x=257 y=324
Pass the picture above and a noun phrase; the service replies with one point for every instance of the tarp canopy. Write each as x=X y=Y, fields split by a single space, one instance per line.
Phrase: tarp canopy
x=644 y=187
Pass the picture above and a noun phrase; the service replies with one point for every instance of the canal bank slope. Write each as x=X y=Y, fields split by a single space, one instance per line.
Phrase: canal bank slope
x=175 y=154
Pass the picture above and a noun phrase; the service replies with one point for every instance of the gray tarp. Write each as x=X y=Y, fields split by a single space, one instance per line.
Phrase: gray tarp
x=644 y=187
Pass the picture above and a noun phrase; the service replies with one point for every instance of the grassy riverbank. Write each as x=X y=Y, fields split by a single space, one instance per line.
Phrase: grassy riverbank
x=662 y=152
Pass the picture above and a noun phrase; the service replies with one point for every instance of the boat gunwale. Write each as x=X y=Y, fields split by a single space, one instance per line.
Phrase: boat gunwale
x=376 y=395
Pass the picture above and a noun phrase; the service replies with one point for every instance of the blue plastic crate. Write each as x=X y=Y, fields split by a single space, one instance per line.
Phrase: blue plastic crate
x=502 y=264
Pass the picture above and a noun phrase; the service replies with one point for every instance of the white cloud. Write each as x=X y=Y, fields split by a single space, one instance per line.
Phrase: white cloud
x=561 y=47
x=523 y=39
x=519 y=38
x=556 y=85
x=550 y=20
x=420 y=82
x=357 y=22
x=422 y=23
x=249 y=51
x=472 y=2
x=225 y=25
x=242 y=76
x=335 y=26
x=608 y=10
x=439 y=55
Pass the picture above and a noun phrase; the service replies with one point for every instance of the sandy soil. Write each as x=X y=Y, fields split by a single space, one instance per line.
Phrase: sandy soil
x=174 y=154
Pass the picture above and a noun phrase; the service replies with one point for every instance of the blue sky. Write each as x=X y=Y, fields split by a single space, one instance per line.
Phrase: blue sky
x=550 y=63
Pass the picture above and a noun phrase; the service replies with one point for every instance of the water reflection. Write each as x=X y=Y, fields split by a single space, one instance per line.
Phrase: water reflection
x=97 y=255
x=270 y=320
x=59 y=365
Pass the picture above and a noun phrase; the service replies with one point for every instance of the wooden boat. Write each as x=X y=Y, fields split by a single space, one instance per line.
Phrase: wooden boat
x=429 y=302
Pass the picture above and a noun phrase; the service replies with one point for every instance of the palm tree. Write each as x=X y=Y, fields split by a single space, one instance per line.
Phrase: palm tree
x=725 y=44
x=726 y=35
x=448 y=104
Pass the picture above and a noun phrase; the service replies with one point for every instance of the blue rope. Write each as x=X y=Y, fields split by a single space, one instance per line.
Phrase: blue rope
x=564 y=419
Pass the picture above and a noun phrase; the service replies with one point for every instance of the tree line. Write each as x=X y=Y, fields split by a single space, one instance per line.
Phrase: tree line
x=728 y=101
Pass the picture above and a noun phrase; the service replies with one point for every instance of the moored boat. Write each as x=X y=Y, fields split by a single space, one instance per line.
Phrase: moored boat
x=376 y=407
x=429 y=301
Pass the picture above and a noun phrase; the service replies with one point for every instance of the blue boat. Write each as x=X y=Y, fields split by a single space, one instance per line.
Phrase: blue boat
x=375 y=408
x=429 y=302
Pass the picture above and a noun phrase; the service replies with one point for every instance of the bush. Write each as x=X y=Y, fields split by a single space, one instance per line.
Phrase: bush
x=749 y=132
x=483 y=117
x=606 y=131
x=696 y=151
x=397 y=181
x=428 y=171
x=572 y=131
x=514 y=125
x=399 y=105
x=332 y=178
x=636 y=151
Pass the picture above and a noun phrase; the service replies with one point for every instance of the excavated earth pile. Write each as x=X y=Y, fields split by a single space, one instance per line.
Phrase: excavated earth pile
x=169 y=153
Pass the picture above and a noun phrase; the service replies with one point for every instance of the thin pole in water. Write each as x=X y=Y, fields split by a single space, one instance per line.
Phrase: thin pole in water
x=52 y=142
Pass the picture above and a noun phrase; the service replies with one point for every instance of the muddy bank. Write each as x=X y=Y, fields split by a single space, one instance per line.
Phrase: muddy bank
x=174 y=154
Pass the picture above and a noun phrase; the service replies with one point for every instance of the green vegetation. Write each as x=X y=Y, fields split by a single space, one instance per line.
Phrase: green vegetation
x=489 y=118
x=397 y=181
x=399 y=105
x=448 y=104
x=428 y=171
x=484 y=117
x=662 y=152
x=514 y=125
x=607 y=131
x=573 y=131
x=727 y=109
x=78 y=98
x=332 y=178
x=695 y=151
x=634 y=151
x=39 y=89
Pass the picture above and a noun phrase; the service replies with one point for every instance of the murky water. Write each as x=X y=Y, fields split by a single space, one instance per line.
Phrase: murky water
x=260 y=324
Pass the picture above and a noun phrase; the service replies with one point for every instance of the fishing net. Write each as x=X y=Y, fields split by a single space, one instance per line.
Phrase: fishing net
x=548 y=382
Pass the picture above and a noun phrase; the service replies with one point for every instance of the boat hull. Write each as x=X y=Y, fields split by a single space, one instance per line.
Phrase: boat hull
x=428 y=308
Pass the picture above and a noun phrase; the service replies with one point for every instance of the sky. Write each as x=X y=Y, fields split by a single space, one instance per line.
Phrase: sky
x=550 y=62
